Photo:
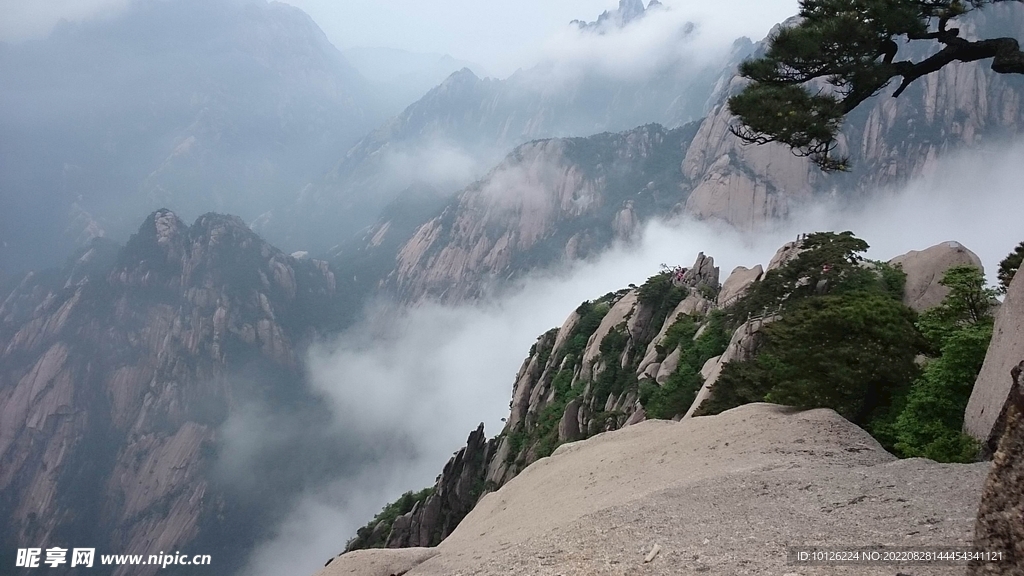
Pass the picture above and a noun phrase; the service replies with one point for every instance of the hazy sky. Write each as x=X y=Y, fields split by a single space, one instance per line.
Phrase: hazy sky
x=502 y=35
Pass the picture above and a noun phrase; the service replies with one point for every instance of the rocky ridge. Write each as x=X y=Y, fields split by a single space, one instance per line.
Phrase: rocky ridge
x=707 y=495
x=709 y=174
x=470 y=123
x=654 y=351
x=117 y=372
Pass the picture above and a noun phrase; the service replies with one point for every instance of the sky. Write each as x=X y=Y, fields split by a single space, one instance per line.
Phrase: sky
x=501 y=35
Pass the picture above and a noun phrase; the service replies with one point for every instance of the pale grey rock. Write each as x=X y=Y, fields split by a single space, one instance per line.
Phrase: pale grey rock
x=925 y=268
x=638 y=416
x=668 y=367
x=651 y=371
x=568 y=426
x=709 y=367
x=737 y=284
x=784 y=255
x=742 y=346
x=732 y=490
x=617 y=315
x=992 y=388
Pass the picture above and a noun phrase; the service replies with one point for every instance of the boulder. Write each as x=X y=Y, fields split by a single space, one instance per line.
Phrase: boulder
x=668 y=367
x=784 y=255
x=992 y=388
x=738 y=283
x=742 y=346
x=378 y=562
x=1000 y=525
x=925 y=268
x=569 y=426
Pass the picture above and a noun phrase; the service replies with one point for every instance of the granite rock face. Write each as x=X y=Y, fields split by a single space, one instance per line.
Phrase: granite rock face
x=988 y=404
x=116 y=373
x=925 y=268
x=565 y=206
x=1000 y=525
x=548 y=201
x=713 y=493
x=458 y=488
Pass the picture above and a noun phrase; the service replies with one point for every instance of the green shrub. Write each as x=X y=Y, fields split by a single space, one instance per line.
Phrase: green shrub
x=680 y=389
x=851 y=352
x=405 y=503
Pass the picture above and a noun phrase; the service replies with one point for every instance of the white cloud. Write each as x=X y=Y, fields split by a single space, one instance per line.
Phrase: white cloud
x=433 y=372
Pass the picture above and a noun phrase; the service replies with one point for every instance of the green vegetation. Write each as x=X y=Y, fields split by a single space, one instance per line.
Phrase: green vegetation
x=680 y=389
x=845 y=341
x=843 y=52
x=851 y=352
x=659 y=292
x=375 y=533
x=1009 y=266
x=830 y=263
x=959 y=329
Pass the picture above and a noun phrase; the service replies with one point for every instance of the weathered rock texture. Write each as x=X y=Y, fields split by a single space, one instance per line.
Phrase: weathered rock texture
x=992 y=388
x=549 y=200
x=1000 y=526
x=744 y=344
x=562 y=199
x=925 y=268
x=717 y=494
x=586 y=377
x=457 y=490
x=116 y=372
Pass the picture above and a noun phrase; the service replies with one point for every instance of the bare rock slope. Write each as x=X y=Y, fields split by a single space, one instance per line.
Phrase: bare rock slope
x=987 y=407
x=721 y=494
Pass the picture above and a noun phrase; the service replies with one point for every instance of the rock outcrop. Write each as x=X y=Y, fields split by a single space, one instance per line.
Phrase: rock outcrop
x=988 y=404
x=712 y=493
x=116 y=373
x=623 y=358
x=548 y=201
x=705 y=171
x=1000 y=526
x=737 y=284
x=743 y=346
x=458 y=488
x=925 y=268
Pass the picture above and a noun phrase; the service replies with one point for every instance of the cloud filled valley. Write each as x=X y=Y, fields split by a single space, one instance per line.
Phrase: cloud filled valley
x=265 y=266
x=429 y=374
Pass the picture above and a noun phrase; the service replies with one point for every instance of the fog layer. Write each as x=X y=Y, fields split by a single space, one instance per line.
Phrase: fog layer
x=435 y=372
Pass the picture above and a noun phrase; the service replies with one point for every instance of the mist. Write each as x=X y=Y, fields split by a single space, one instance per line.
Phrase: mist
x=430 y=375
x=690 y=34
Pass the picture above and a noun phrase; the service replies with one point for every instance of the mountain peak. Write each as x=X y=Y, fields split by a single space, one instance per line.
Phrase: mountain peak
x=627 y=12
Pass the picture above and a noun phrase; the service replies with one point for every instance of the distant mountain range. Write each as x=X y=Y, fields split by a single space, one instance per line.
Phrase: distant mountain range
x=401 y=77
x=459 y=129
x=120 y=370
x=196 y=105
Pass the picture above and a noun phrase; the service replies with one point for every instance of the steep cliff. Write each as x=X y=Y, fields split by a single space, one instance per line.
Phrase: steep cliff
x=118 y=370
x=195 y=105
x=451 y=135
x=548 y=201
x=659 y=351
x=500 y=226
